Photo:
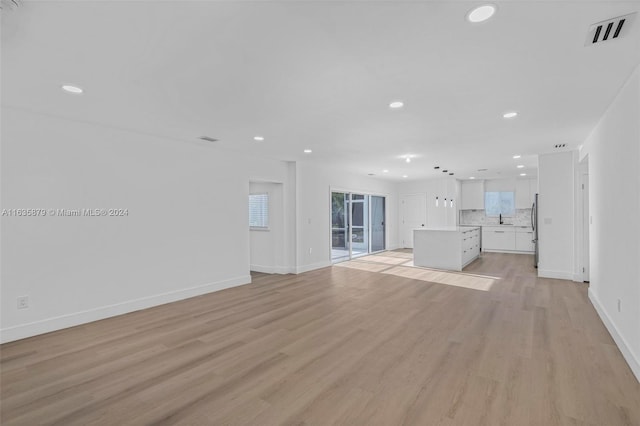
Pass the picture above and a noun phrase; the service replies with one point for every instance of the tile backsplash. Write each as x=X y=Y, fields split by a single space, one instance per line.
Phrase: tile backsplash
x=478 y=217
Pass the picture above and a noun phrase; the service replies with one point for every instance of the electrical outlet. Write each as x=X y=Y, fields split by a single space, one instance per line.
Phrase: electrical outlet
x=619 y=305
x=23 y=302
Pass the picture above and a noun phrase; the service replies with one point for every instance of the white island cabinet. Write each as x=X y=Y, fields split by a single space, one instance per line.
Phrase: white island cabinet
x=446 y=248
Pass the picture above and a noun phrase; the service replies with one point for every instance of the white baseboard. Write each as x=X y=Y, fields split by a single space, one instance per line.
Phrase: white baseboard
x=627 y=353
x=272 y=269
x=312 y=266
x=22 y=331
x=560 y=275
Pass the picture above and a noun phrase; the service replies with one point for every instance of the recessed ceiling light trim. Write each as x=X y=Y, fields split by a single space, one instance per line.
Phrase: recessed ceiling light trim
x=481 y=13
x=510 y=114
x=258 y=138
x=307 y=151
x=515 y=157
x=70 y=88
x=520 y=166
x=396 y=105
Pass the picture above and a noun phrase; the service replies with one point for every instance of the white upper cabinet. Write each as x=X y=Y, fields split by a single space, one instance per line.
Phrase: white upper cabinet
x=525 y=191
x=472 y=195
x=523 y=194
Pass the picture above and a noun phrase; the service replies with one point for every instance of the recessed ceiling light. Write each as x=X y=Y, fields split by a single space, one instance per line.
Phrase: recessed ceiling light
x=408 y=159
x=258 y=138
x=523 y=174
x=307 y=151
x=510 y=114
x=481 y=13
x=471 y=177
x=520 y=166
x=405 y=176
x=385 y=171
x=72 y=89
x=516 y=156
x=396 y=104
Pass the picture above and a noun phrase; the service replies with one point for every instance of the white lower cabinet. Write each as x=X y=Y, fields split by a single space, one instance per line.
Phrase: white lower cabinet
x=498 y=238
x=507 y=238
x=524 y=240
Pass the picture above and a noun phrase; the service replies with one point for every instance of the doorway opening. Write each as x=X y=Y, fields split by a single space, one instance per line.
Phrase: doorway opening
x=357 y=225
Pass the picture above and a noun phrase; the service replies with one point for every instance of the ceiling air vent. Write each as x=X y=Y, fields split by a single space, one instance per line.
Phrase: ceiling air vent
x=208 y=139
x=560 y=145
x=610 y=29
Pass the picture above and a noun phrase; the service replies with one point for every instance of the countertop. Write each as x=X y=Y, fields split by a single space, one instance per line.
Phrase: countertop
x=449 y=228
x=497 y=225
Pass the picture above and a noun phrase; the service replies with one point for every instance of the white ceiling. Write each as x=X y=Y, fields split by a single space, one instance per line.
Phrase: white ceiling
x=321 y=74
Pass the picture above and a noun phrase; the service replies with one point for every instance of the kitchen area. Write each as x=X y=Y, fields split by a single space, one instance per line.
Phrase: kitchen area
x=463 y=218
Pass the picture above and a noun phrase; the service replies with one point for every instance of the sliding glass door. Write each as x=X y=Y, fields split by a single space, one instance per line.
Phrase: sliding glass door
x=377 y=224
x=357 y=225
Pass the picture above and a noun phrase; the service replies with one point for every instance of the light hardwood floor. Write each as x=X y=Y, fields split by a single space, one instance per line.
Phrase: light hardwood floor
x=369 y=342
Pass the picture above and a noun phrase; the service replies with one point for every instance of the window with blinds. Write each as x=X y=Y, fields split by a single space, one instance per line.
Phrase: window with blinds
x=259 y=211
x=499 y=203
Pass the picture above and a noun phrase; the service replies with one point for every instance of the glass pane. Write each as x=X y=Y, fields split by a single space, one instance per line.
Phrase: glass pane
x=338 y=239
x=507 y=203
x=492 y=203
x=377 y=223
x=358 y=214
x=337 y=210
x=357 y=236
x=339 y=226
x=499 y=203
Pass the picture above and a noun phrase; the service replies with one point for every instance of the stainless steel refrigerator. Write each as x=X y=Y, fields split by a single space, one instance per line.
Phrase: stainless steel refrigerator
x=534 y=225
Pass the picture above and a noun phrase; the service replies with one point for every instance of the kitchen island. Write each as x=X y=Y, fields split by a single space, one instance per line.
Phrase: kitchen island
x=450 y=248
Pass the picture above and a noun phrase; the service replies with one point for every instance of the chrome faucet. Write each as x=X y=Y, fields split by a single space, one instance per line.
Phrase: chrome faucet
x=501 y=219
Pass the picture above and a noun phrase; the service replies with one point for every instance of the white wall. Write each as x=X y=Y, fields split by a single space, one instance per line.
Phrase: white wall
x=314 y=186
x=499 y=185
x=444 y=188
x=186 y=232
x=613 y=151
x=556 y=199
x=267 y=246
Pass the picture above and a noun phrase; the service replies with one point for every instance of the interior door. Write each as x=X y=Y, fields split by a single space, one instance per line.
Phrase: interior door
x=377 y=223
x=414 y=215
